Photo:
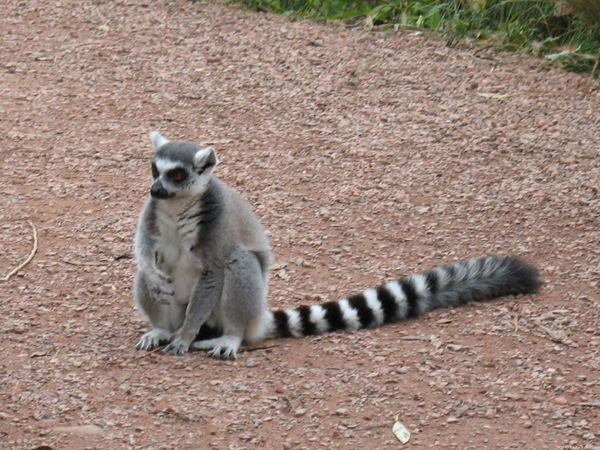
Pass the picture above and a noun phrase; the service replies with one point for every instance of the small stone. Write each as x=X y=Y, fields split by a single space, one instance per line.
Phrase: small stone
x=279 y=387
x=519 y=362
x=527 y=424
x=561 y=401
x=251 y=362
x=451 y=419
x=300 y=412
x=341 y=412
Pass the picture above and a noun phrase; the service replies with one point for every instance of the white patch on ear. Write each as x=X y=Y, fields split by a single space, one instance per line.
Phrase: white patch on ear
x=205 y=158
x=157 y=139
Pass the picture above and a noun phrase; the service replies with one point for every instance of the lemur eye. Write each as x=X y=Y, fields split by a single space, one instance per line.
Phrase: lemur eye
x=154 y=171
x=178 y=175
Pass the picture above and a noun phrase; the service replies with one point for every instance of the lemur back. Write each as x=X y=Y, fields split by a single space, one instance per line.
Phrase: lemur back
x=203 y=261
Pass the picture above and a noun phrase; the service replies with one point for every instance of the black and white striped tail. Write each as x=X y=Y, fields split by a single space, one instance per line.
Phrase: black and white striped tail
x=474 y=280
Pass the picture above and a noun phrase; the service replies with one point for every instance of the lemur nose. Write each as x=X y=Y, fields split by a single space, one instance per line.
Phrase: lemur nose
x=158 y=191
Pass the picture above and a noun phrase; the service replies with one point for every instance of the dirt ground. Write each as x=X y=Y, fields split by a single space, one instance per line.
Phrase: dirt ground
x=367 y=156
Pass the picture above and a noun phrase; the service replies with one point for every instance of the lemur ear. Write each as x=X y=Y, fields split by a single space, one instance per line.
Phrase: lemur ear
x=205 y=158
x=157 y=139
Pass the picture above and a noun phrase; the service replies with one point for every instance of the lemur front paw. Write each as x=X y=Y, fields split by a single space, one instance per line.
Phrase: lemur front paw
x=160 y=285
x=178 y=345
x=153 y=339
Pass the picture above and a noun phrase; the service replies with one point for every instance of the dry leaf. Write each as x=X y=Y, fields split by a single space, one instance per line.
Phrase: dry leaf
x=278 y=265
x=496 y=96
x=455 y=347
x=554 y=335
x=283 y=274
x=401 y=432
x=436 y=341
x=84 y=430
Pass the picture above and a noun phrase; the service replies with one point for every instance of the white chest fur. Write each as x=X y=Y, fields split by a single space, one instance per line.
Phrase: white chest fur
x=178 y=233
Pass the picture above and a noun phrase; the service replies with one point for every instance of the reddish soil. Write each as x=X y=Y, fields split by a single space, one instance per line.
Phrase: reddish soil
x=367 y=156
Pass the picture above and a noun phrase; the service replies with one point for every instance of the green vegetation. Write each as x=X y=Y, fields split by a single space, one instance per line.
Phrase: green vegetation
x=563 y=31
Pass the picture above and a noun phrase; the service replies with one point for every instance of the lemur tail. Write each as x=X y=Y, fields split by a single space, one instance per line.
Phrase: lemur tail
x=474 y=280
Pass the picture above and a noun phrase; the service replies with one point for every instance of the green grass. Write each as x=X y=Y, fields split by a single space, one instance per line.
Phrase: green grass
x=572 y=39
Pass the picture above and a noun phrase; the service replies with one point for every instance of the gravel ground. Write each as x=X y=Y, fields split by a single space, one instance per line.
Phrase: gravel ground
x=367 y=156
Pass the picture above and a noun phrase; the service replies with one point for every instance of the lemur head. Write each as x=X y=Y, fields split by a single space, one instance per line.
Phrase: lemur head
x=180 y=169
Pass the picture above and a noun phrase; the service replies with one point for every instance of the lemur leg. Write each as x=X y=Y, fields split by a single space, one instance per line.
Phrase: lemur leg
x=242 y=304
x=165 y=318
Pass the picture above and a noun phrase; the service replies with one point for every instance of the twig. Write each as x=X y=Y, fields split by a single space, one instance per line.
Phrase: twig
x=291 y=405
x=90 y=263
x=414 y=338
x=253 y=349
x=589 y=83
x=596 y=404
x=143 y=355
x=30 y=257
x=158 y=444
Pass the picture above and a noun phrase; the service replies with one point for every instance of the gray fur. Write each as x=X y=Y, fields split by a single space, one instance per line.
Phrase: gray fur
x=197 y=251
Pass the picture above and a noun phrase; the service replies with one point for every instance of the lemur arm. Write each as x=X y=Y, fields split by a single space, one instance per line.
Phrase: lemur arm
x=148 y=258
x=145 y=243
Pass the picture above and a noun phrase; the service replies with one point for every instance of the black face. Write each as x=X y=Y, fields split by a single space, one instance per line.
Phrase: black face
x=176 y=176
x=173 y=178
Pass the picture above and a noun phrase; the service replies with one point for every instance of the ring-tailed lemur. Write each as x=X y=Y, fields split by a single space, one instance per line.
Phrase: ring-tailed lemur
x=203 y=263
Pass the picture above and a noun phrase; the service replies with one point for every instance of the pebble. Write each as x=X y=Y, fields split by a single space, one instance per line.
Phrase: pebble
x=561 y=401
x=279 y=387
